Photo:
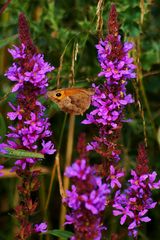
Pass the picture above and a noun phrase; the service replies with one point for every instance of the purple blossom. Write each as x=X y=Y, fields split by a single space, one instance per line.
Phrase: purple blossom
x=32 y=126
x=87 y=199
x=114 y=176
x=18 y=52
x=48 y=147
x=110 y=98
x=108 y=106
x=72 y=198
x=137 y=182
x=22 y=163
x=41 y=227
x=125 y=211
x=136 y=200
x=36 y=74
x=91 y=229
x=151 y=179
x=139 y=218
x=95 y=201
x=16 y=114
x=14 y=75
x=79 y=170
x=118 y=68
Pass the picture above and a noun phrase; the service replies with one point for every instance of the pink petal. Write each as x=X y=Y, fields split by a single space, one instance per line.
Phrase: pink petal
x=123 y=219
x=116 y=213
x=145 y=219
x=132 y=225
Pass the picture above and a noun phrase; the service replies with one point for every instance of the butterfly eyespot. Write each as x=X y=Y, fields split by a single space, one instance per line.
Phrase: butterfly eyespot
x=58 y=94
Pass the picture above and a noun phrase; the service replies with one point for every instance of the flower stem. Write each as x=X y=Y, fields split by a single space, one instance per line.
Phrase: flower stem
x=68 y=162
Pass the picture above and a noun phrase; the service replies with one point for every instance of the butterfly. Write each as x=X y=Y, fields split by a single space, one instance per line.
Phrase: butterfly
x=72 y=100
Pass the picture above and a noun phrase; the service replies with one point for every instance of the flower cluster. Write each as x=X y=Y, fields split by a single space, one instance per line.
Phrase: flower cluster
x=136 y=200
x=32 y=127
x=111 y=98
x=34 y=72
x=87 y=199
x=108 y=101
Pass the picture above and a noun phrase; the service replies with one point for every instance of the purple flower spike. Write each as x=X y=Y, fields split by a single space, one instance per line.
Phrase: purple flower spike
x=111 y=98
x=87 y=199
x=30 y=128
x=30 y=75
x=136 y=200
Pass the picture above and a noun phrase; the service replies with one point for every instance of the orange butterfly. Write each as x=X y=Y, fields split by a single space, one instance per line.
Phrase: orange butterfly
x=72 y=100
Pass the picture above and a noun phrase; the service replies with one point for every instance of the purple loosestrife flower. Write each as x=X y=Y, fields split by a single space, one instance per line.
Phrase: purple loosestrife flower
x=114 y=176
x=122 y=211
x=138 y=219
x=133 y=204
x=111 y=98
x=41 y=228
x=31 y=127
x=87 y=200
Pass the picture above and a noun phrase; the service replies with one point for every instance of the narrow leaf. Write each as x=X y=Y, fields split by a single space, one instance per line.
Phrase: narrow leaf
x=61 y=233
x=20 y=153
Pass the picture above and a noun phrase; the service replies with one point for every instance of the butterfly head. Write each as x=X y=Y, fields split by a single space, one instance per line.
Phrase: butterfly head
x=56 y=94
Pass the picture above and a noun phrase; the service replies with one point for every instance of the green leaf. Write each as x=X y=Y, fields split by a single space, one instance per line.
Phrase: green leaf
x=2 y=127
x=5 y=41
x=20 y=153
x=61 y=233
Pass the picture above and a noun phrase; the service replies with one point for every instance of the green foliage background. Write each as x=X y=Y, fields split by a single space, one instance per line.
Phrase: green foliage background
x=57 y=27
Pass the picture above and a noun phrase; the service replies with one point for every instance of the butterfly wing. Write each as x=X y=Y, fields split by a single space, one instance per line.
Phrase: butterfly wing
x=81 y=102
x=72 y=100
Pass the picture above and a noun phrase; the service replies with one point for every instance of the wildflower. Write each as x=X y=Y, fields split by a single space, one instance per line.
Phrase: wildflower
x=31 y=128
x=136 y=200
x=113 y=177
x=139 y=218
x=87 y=199
x=122 y=211
x=41 y=228
x=111 y=97
x=16 y=114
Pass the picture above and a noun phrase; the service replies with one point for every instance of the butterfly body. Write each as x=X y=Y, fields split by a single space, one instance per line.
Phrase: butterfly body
x=72 y=100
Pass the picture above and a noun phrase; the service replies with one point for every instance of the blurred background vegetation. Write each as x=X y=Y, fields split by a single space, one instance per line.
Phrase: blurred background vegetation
x=60 y=29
